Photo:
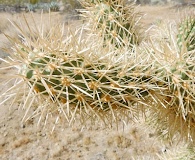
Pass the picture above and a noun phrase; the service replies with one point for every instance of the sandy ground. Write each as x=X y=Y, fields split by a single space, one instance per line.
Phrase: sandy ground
x=31 y=142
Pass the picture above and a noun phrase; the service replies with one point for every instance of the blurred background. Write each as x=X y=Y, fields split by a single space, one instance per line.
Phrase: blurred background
x=61 y=5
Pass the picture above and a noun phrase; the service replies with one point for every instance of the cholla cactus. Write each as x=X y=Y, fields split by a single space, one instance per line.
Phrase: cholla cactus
x=116 y=21
x=174 y=108
x=30 y=7
x=71 y=76
x=54 y=6
x=186 y=35
x=76 y=76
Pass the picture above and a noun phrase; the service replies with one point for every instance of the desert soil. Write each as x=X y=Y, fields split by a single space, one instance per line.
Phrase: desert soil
x=31 y=142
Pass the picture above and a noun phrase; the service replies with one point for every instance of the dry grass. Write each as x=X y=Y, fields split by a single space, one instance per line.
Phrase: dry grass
x=35 y=20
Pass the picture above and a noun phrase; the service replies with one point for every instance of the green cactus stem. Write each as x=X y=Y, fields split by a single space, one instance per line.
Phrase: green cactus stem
x=116 y=21
x=186 y=35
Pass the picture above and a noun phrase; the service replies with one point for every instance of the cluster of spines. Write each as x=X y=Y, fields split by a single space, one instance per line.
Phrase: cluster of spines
x=174 y=110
